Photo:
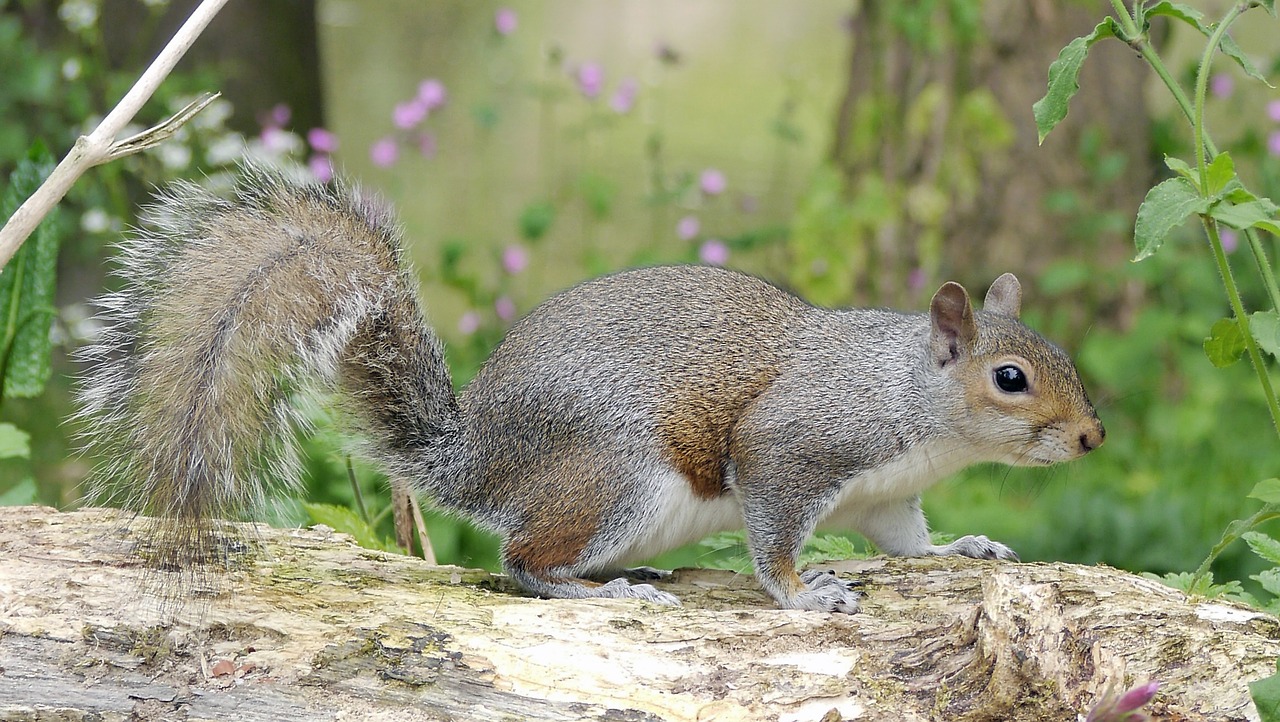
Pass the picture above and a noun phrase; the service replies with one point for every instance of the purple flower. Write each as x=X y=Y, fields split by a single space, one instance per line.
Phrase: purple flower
x=384 y=152
x=279 y=116
x=1273 y=143
x=409 y=113
x=1230 y=240
x=432 y=94
x=505 y=308
x=505 y=21
x=1273 y=110
x=427 y=145
x=915 y=279
x=590 y=80
x=514 y=259
x=321 y=167
x=714 y=252
x=322 y=140
x=687 y=228
x=1124 y=708
x=712 y=182
x=274 y=139
x=468 y=323
x=1221 y=85
x=625 y=96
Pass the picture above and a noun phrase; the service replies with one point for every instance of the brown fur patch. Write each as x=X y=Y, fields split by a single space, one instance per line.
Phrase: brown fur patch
x=548 y=542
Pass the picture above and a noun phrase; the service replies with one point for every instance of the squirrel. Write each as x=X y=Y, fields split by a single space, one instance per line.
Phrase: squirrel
x=622 y=417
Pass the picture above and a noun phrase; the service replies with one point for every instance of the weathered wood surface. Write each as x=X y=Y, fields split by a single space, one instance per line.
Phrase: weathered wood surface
x=320 y=629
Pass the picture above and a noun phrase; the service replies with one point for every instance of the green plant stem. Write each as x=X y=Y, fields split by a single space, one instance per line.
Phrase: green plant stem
x=1202 y=88
x=355 y=490
x=1233 y=532
x=1242 y=319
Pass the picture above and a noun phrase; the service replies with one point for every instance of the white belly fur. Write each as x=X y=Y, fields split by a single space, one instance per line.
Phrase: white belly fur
x=683 y=518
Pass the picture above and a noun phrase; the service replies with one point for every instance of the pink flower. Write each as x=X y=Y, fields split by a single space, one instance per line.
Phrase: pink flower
x=712 y=182
x=322 y=140
x=625 y=96
x=1124 y=708
x=505 y=21
x=1221 y=85
x=687 y=228
x=427 y=145
x=1273 y=143
x=409 y=113
x=1273 y=110
x=279 y=116
x=915 y=279
x=384 y=152
x=590 y=80
x=714 y=252
x=321 y=167
x=1230 y=240
x=505 y=308
x=432 y=94
x=514 y=259
x=468 y=323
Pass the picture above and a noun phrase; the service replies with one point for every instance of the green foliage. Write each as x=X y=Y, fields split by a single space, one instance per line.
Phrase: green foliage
x=343 y=519
x=14 y=442
x=1064 y=76
x=1266 y=697
x=26 y=288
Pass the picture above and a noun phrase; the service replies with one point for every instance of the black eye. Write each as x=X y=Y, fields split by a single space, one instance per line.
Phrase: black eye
x=1010 y=379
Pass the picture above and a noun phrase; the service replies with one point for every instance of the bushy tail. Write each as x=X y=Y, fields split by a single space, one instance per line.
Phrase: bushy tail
x=230 y=308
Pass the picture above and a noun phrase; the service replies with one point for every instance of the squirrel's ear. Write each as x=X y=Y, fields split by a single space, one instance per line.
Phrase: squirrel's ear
x=953 y=330
x=1004 y=296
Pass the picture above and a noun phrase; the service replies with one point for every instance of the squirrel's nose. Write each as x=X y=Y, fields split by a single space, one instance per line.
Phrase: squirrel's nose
x=1092 y=437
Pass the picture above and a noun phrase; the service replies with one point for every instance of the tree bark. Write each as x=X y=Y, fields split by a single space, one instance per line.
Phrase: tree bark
x=320 y=629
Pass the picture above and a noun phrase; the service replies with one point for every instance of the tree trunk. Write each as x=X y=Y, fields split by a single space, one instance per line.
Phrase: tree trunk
x=319 y=628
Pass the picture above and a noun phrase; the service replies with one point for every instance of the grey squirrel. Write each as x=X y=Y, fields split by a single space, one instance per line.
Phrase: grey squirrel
x=621 y=418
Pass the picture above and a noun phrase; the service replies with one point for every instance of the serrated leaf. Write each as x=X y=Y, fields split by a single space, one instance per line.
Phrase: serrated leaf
x=1185 y=13
x=1225 y=343
x=1233 y=51
x=1269 y=579
x=27 y=287
x=1265 y=327
x=348 y=522
x=1265 y=547
x=1166 y=206
x=1220 y=171
x=1064 y=74
x=1179 y=166
x=1267 y=490
x=14 y=442
x=1258 y=213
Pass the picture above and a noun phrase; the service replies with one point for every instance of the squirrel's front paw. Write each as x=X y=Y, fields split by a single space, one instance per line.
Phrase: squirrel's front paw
x=826 y=592
x=978 y=547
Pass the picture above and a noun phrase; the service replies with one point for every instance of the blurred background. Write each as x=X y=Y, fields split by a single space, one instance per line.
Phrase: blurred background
x=855 y=152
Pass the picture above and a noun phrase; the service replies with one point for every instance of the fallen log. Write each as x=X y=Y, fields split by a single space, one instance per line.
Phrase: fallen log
x=318 y=628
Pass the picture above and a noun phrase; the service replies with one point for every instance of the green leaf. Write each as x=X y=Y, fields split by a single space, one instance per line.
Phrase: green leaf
x=1233 y=51
x=1166 y=206
x=1265 y=327
x=536 y=219
x=1179 y=166
x=1266 y=697
x=1267 y=490
x=1064 y=74
x=1258 y=213
x=1269 y=6
x=348 y=522
x=1221 y=170
x=21 y=494
x=1225 y=343
x=1185 y=13
x=14 y=442
x=27 y=287
x=1265 y=547
x=1269 y=579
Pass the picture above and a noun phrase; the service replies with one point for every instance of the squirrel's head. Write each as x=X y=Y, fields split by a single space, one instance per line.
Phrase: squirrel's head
x=1022 y=398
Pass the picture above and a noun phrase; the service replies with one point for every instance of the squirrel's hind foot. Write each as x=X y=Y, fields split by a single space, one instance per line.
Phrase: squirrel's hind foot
x=977 y=547
x=620 y=588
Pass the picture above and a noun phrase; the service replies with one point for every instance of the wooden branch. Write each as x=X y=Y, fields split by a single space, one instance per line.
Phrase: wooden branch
x=99 y=146
x=321 y=629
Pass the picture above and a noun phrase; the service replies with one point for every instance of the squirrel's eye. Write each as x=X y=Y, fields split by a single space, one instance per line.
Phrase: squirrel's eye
x=1011 y=379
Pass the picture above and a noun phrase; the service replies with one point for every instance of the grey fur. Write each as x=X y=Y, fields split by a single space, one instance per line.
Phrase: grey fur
x=623 y=416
